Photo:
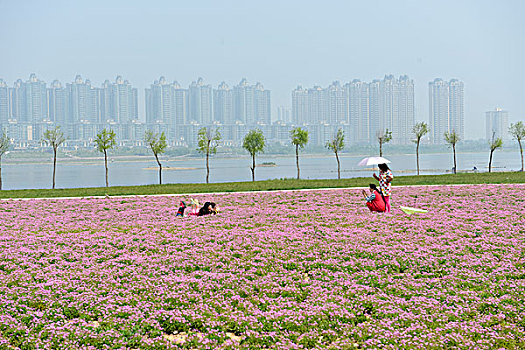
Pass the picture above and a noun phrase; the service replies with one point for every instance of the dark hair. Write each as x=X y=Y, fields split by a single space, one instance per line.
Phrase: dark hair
x=205 y=210
x=374 y=187
x=383 y=167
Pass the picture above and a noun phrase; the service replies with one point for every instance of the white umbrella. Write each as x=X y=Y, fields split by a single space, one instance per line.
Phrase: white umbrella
x=373 y=161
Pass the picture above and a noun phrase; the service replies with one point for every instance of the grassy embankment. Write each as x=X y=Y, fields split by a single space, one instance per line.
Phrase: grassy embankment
x=268 y=185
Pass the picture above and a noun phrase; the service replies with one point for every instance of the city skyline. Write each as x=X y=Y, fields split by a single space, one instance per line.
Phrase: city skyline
x=351 y=104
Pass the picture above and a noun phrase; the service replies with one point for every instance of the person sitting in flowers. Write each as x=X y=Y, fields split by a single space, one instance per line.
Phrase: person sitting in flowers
x=375 y=202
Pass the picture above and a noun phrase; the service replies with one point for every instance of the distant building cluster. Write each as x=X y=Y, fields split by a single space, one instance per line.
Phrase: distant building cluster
x=30 y=107
x=171 y=104
x=362 y=109
x=365 y=109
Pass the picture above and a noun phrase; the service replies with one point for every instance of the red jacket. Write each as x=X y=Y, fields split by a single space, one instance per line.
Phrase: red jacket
x=378 y=204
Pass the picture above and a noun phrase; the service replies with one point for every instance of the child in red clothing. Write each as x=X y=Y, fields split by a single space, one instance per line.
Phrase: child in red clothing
x=375 y=202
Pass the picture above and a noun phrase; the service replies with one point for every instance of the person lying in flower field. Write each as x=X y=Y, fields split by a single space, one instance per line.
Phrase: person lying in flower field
x=209 y=208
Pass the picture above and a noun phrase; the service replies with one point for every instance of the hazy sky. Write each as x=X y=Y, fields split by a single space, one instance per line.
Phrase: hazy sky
x=279 y=43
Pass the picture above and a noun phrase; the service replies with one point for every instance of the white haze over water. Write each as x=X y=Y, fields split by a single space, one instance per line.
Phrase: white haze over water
x=279 y=43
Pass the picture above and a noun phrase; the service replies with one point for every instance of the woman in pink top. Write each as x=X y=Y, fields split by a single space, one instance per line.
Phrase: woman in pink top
x=385 y=178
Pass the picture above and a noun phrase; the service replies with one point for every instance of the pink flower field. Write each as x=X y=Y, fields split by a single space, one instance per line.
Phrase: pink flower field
x=282 y=270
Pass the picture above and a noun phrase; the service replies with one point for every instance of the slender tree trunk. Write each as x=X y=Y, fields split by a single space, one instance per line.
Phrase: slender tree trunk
x=297 y=159
x=160 y=169
x=490 y=160
x=0 y=172
x=455 y=165
x=338 y=166
x=207 y=166
x=521 y=153
x=417 y=156
x=380 y=148
x=54 y=165
x=106 y=165
x=253 y=168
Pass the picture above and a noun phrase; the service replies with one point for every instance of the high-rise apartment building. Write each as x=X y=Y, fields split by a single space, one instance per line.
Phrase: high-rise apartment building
x=446 y=109
x=17 y=99
x=375 y=110
x=358 y=111
x=35 y=100
x=317 y=106
x=497 y=124
x=57 y=103
x=106 y=102
x=403 y=114
x=223 y=104
x=262 y=106
x=251 y=104
x=180 y=103
x=79 y=92
x=123 y=106
x=336 y=103
x=159 y=102
x=200 y=103
x=456 y=106
x=4 y=102
x=243 y=102
x=300 y=113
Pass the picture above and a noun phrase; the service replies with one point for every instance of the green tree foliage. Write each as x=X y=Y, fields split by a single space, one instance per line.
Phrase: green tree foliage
x=4 y=147
x=254 y=143
x=452 y=138
x=158 y=145
x=383 y=137
x=299 y=140
x=104 y=141
x=54 y=138
x=337 y=144
x=494 y=144
x=518 y=133
x=419 y=130
x=208 y=141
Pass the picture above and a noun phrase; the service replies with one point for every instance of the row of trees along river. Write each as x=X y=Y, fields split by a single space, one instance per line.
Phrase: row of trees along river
x=254 y=143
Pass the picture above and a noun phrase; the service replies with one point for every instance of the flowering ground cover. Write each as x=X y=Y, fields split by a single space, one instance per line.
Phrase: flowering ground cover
x=284 y=270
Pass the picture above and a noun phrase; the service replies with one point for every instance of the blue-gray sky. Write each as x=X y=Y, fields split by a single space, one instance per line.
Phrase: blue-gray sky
x=279 y=43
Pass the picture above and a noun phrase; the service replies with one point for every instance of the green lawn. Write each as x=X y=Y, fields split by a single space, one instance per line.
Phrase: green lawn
x=268 y=185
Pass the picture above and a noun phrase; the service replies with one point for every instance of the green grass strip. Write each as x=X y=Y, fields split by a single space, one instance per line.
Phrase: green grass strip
x=268 y=185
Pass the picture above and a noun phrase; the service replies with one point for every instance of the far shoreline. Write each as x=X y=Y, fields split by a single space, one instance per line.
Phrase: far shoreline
x=85 y=159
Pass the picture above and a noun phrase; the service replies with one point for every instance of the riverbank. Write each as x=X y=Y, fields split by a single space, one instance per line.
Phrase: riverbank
x=44 y=155
x=268 y=185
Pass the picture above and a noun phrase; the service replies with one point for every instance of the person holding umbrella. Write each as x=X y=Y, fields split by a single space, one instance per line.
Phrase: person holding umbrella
x=385 y=178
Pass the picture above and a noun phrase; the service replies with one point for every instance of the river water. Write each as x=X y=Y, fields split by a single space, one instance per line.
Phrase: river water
x=143 y=170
